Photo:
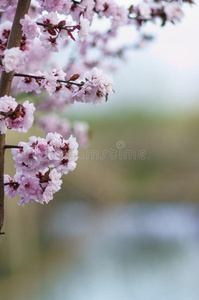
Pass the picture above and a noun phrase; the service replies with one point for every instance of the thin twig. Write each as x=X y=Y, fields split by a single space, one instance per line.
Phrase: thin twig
x=29 y=76
x=41 y=77
x=67 y=27
x=12 y=146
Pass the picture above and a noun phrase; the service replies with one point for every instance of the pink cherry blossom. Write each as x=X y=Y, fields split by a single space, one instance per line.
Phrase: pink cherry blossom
x=39 y=187
x=106 y=8
x=70 y=155
x=29 y=27
x=14 y=59
x=50 y=82
x=11 y=190
x=29 y=188
x=55 y=143
x=22 y=117
x=173 y=11
x=87 y=94
x=97 y=86
x=4 y=35
x=31 y=156
x=15 y=116
x=103 y=82
x=85 y=9
x=7 y=105
x=144 y=10
x=120 y=17
x=28 y=84
x=49 y=43
x=84 y=28
x=52 y=186
x=38 y=154
x=51 y=18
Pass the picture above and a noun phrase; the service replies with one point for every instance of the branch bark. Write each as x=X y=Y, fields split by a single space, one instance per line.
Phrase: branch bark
x=5 y=86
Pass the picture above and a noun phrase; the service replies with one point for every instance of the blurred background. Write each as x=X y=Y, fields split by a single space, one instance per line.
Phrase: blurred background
x=125 y=224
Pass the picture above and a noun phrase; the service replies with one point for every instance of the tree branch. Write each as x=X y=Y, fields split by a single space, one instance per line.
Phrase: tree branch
x=12 y=146
x=5 y=86
x=41 y=77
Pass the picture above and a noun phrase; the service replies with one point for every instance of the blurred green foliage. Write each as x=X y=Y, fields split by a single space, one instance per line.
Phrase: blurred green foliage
x=170 y=168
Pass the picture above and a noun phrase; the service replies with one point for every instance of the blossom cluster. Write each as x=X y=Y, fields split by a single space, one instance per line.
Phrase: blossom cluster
x=4 y=34
x=14 y=59
x=52 y=28
x=97 y=86
x=92 y=90
x=39 y=164
x=15 y=116
x=39 y=187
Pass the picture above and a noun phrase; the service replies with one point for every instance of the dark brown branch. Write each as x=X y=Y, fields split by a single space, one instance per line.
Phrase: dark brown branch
x=29 y=76
x=10 y=183
x=44 y=25
x=139 y=19
x=12 y=146
x=71 y=82
x=5 y=86
x=41 y=77
x=67 y=27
